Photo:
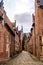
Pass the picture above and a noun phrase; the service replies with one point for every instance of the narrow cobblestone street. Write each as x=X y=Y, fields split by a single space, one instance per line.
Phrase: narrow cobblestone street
x=24 y=58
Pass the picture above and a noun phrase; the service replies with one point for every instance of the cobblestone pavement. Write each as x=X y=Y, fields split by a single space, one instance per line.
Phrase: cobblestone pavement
x=24 y=58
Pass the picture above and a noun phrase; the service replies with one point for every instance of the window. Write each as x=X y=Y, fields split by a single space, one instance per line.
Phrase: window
x=8 y=49
x=6 y=38
x=38 y=1
x=1 y=14
x=2 y=22
x=0 y=37
x=41 y=42
x=42 y=31
x=42 y=49
x=41 y=2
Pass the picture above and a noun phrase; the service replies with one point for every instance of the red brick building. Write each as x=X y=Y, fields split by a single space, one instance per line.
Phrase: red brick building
x=39 y=27
x=18 y=38
x=36 y=38
x=7 y=35
x=33 y=35
x=9 y=38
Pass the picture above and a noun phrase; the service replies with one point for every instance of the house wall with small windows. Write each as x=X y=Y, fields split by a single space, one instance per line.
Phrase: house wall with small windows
x=39 y=27
x=36 y=39
x=7 y=42
x=17 y=43
x=7 y=36
x=10 y=38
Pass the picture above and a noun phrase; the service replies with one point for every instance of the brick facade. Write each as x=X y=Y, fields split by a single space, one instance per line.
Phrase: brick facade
x=9 y=37
x=39 y=28
x=36 y=38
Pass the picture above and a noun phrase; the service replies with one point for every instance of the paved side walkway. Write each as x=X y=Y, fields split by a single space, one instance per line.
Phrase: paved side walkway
x=24 y=58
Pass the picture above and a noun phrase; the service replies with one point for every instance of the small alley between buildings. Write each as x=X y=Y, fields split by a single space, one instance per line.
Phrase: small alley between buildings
x=13 y=41
x=24 y=58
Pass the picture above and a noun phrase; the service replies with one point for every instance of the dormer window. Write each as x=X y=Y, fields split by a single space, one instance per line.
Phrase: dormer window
x=1 y=2
x=1 y=16
x=1 y=13
x=0 y=5
x=33 y=24
x=40 y=3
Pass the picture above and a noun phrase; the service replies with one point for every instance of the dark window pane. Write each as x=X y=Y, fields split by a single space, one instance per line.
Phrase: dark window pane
x=41 y=2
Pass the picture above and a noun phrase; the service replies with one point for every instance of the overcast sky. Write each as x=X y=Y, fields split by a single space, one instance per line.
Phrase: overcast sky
x=20 y=10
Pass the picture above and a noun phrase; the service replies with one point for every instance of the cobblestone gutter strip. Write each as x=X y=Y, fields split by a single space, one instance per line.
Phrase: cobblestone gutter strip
x=6 y=61
x=14 y=56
